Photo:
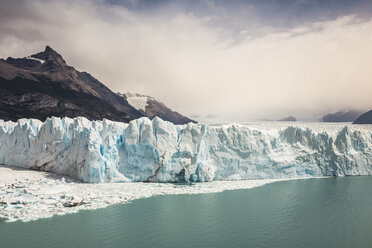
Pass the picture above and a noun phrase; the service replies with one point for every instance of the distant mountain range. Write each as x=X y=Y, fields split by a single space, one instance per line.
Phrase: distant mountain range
x=365 y=118
x=354 y=116
x=43 y=85
x=342 y=116
x=289 y=118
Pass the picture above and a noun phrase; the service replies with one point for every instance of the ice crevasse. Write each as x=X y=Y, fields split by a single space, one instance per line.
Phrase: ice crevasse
x=158 y=151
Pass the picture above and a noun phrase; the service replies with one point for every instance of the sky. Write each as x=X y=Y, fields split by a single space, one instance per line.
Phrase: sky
x=211 y=60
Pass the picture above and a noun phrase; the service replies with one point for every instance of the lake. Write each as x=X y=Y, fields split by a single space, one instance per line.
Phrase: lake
x=327 y=212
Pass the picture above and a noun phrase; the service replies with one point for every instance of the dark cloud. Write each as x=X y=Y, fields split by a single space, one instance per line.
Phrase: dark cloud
x=242 y=13
x=187 y=55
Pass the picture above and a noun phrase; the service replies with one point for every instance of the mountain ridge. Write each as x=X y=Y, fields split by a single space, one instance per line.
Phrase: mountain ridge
x=151 y=107
x=365 y=118
x=43 y=85
x=342 y=116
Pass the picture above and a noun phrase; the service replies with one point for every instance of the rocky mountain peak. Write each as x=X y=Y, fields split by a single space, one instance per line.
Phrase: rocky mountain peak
x=46 y=60
x=48 y=49
x=61 y=90
x=50 y=56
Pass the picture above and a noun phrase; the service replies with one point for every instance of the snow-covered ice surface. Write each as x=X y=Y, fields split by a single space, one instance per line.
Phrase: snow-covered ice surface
x=30 y=195
x=158 y=151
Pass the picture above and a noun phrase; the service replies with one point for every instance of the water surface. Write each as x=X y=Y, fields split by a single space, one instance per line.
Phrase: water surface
x=331 y=212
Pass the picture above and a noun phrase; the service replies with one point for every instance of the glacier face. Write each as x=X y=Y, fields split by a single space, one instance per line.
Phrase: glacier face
x=145 y=150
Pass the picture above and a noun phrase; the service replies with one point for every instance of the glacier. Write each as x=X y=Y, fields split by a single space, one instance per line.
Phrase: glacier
x=158 y=151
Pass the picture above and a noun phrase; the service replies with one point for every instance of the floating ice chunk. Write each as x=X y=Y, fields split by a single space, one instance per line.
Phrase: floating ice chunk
x=37 y=203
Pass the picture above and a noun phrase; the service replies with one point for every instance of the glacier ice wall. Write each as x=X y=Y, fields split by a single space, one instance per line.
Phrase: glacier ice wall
x=145 y=150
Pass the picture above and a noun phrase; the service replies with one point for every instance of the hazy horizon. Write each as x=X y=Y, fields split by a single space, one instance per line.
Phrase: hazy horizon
x=217 y=60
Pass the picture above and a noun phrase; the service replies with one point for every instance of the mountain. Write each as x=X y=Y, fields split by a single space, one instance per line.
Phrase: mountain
x=289 y=118
x=365 y=118
x=342 y=116
x=151 y=107
x=43 y=85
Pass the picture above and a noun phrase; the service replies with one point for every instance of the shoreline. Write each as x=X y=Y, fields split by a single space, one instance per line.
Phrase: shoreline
x=28 y=195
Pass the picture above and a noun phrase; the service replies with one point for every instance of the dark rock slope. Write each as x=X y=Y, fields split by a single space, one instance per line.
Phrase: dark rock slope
x=43 y=85
x=151 y=107
x=365 y=118
x=342 y=116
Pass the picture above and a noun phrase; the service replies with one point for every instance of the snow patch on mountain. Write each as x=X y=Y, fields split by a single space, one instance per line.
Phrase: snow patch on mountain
x=33 y=58
x=137 y=101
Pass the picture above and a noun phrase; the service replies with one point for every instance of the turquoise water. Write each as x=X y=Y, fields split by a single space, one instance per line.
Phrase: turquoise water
x=332 y=212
